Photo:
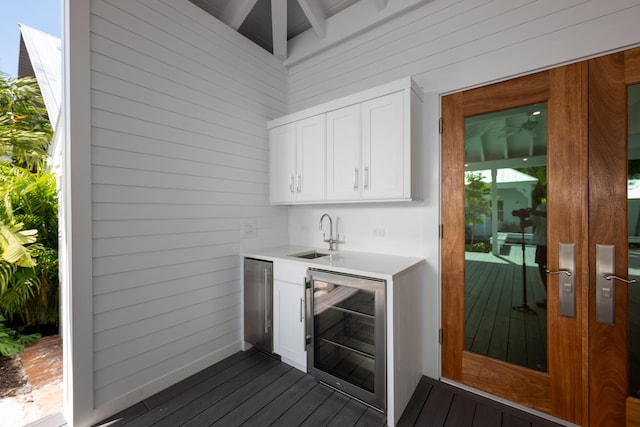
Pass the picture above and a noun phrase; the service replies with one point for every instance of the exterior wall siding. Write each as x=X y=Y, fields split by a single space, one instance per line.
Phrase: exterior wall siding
x=179 y=105
x=446 y=46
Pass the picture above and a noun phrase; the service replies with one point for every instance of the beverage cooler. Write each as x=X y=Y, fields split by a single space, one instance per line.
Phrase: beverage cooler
x=346 y=340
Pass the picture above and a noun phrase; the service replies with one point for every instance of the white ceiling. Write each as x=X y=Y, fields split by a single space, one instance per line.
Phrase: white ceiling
x=272 y=24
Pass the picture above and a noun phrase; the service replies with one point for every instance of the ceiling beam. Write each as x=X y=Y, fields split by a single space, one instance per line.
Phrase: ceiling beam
x=380 y=4
x=316 y=16
x=236 y=12
x=279 y=28
x=355 y=19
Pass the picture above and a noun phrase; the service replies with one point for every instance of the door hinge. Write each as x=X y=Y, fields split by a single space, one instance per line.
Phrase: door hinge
x=440 y=336
x=441 y=231
x=440 y=126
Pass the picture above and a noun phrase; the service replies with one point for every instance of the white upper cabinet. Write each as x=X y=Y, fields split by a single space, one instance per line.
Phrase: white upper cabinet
x=282 y=162
x=368 y=153
x=311 y=159
x=385 y=149
x=344 y=153
x=297 y=161
x=364 y=147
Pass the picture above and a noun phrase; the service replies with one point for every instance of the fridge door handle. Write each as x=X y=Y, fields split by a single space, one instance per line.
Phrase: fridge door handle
x=266 y=301
x=308 y=320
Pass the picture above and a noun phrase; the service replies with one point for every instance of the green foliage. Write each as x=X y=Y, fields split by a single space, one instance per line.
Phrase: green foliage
x=31 y=292
x=478 y=247
x=25 y=131
x=28 y=208
x=477 y=200
x=11 y=342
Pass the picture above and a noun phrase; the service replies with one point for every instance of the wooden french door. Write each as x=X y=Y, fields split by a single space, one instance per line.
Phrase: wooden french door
x=614 y=209
x=578 y=368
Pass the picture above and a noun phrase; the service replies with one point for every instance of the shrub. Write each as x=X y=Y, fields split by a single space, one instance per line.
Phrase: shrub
x=11 y=342
x=478 y=247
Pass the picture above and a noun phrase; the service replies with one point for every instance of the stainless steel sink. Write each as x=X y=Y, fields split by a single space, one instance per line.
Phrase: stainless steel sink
x=309 y=255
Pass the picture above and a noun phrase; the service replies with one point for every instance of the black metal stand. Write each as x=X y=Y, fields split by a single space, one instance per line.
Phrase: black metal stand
x=524 y=307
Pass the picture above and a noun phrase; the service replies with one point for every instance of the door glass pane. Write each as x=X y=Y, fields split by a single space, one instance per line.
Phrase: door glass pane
x=505 y=233
x=634 y=237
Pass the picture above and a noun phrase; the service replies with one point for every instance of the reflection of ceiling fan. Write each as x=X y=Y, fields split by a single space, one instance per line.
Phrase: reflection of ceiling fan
x=530 y=125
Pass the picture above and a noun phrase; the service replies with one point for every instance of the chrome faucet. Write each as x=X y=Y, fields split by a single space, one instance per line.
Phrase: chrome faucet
x=331 y=241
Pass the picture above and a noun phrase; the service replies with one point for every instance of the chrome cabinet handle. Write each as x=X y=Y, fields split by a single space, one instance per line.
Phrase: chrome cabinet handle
x=366 y=178
x=299 y=183
x=613 y=277
x=301 y=304
x=291 y=184
x=355 y=178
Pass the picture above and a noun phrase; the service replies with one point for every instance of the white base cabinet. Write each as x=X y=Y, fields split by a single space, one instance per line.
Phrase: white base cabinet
x=289 y=314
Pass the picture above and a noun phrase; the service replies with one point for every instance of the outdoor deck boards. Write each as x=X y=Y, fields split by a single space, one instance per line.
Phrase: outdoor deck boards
x=253 y=389
x=492 y=326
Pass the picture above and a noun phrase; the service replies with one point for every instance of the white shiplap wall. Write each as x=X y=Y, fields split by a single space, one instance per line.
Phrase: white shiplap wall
x=446 y=46
x=179 y=104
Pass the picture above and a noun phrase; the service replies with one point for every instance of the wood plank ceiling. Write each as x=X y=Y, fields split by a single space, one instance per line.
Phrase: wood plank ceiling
x=272 y=24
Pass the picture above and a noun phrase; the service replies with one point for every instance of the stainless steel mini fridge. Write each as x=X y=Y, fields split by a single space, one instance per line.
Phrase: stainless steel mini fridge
x=258 y=303
x=346 y=334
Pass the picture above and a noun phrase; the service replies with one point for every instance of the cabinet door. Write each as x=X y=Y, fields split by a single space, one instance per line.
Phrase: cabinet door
x=282 y=161
x=344 y=156
x=386 y=150
x=288 y=312
x=311 y=159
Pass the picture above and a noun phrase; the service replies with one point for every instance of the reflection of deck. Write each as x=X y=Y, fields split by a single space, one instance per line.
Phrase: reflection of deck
x=492 y=326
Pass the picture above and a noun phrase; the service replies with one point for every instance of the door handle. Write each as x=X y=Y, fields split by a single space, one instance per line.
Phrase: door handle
x=355 y=178
x=567 y=281
x=566 y=284
x=605 y=284
x=291 y=184
x=620 y=279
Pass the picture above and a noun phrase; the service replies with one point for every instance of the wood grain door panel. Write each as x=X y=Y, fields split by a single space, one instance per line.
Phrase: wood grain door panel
x=564 y=89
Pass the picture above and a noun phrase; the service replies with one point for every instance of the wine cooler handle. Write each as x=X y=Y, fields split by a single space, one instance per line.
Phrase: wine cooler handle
x=308 y=316
x=266 y=301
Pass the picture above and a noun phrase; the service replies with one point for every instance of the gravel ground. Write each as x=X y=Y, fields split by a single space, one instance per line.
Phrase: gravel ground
x=12 y=377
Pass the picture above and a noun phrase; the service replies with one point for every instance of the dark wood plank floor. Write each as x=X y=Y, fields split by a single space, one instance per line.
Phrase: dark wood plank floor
x=248 y=389
x=252 y=389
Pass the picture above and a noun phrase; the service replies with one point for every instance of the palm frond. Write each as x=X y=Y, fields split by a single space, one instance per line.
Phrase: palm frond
x=12 y=242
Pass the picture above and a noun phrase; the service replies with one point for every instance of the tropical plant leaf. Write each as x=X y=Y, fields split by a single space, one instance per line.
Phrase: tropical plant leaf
x=12 y=243
x=6 y=272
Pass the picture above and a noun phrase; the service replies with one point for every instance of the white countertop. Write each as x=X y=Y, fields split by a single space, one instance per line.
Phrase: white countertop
x=359 y=263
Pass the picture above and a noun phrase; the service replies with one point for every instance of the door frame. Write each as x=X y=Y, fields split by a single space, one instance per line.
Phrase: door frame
x=565 y=91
